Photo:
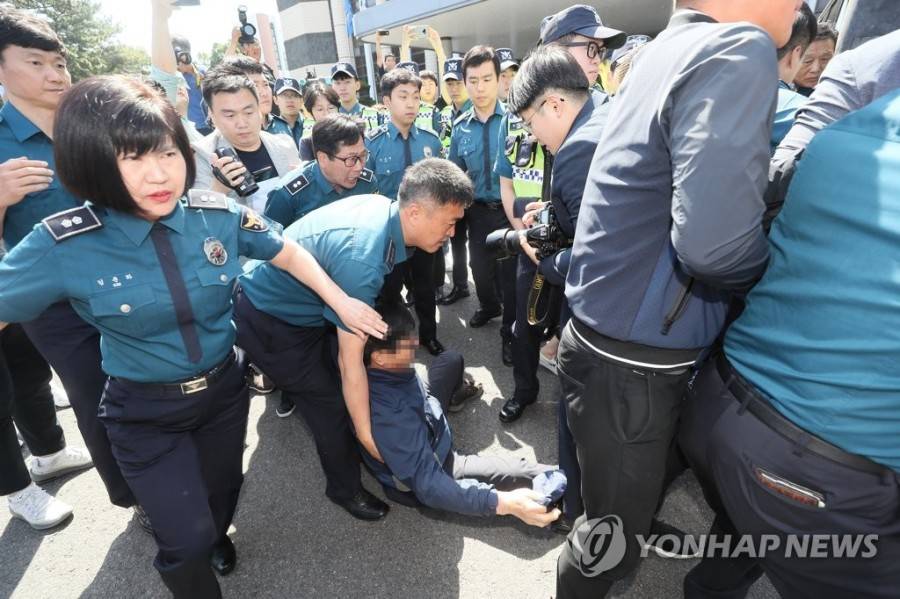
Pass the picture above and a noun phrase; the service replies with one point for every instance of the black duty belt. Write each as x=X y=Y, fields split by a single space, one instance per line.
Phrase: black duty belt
x=759 y=406
x=194 y=385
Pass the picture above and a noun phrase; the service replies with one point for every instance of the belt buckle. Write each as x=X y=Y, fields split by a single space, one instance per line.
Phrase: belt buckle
x=194 y=386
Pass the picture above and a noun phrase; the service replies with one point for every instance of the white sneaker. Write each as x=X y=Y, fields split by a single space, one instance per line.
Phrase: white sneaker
x=68 y=459
x=37 y=507
x=60 y=398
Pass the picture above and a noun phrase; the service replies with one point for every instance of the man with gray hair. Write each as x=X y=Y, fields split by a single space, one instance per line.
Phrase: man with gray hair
x=670 y=223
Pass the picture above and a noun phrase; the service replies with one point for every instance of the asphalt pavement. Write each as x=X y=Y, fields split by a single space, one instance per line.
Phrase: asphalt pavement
x=294 y=543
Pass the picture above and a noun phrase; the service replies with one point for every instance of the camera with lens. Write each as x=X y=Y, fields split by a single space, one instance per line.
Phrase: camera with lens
x=545 y=236
x=247 y=185
x=248 y=30
x=182 y=55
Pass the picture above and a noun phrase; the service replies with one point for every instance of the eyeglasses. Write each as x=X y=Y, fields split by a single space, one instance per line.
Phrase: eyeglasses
x=527 y=124
x=350 y=161
x=593 y=48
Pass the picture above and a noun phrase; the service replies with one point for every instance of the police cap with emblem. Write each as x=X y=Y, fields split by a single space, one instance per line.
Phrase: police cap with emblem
x=583 y=20
x=283 y=84
x=344 y=68
x=507 y=59
x=453 y=69
x=409 y=66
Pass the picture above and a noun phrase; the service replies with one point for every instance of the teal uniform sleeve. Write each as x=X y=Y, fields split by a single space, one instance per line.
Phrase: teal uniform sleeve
x=502 y=166
x=30 y=278
x=453 y=155
x=258 y=237
x=280 y=206
x=359 y=281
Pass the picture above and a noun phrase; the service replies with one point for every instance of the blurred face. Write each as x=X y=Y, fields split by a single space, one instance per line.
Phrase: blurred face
x=457 y=91
x=482 y=85
x=322 y=108
x=154 y=180
x=263 y=91
x=289 y=103
x=399 y=358
x=389 y=62
x=335 y=168
x=587 y=55
x=506 y=79
x=346 y=88
x=252 y=50
x=403 y=104
x=814 y=61
x=431 y=225
x=35 y=78
x=429 y=91
x=238 y=118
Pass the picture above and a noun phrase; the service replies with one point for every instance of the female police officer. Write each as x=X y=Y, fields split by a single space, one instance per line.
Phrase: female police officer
x=155 y=275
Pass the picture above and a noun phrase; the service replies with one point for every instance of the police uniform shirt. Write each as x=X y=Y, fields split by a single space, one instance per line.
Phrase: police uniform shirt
x=473 y=147
x=105 y=263
x=511 y=127
x=428 y=117
x=789 y=102
x=277 y=125
x=304 y=189
x=390 y=154
x=369 y=115
x=449 y=114
x=20 y=137
x=357 y=241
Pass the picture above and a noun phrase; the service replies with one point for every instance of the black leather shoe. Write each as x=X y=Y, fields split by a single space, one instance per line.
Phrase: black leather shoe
x=507 y=352
x=512 y=410
x=143 y=519
x=456 y=294
x=223 y=558
x=365 y=506
x=482 y=317
x=561 y=526
x=434 y=347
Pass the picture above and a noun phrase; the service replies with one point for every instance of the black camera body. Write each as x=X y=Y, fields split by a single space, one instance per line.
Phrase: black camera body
x=247 y=186
x=545 y=236
x=248 y=30
x=182 y=55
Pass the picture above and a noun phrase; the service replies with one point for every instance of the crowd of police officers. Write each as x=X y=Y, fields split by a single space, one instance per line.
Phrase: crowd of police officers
x=167 y=246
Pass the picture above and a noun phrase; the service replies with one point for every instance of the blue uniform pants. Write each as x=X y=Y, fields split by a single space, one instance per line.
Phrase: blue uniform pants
x=25 y=397
x=302 y=362
x=724 y=443
x=182 y=457
x=72 y=347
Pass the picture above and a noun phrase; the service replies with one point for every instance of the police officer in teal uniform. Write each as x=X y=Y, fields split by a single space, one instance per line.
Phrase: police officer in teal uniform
x=473 y=146
x=70 y=345
x=345 y=82
x=337 y=172
x=290 y=334
x=280 y=124
x=428 y=117
x=393 y=148
x=155 y=276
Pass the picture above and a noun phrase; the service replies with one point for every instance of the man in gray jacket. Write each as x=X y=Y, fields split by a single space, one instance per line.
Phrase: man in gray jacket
x=669 y=223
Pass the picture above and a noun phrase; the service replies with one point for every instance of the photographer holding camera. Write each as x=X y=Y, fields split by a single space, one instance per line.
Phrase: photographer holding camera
x=244 y=42
x=193 y=77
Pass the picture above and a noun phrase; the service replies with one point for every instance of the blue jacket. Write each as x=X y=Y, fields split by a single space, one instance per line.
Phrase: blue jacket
x=414 y=439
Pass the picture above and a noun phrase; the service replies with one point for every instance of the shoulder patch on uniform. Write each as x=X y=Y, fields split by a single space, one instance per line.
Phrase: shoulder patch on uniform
x=366 y=175
x=69 y=223
x=374 y=133
x=300 y=182
x=207 y=198
x=252 y=221
x=463 y=117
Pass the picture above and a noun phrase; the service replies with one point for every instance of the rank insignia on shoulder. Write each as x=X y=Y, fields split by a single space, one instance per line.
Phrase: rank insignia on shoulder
x=465 y=115
x=69 y=223
x=374 y=133
x=294 y=187
x=366 y=175
x=206 y=198
x=251 y=221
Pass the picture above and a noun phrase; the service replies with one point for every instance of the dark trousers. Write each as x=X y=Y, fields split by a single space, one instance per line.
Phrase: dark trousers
x=445 y=376
x=724 y=444
x=526 y=337
x=302 y=362
x=495 y=280
x=72 y=347
x=417 y=271
x=623 y=420
x=182 y=457
x=460 y=253
x=25 y=398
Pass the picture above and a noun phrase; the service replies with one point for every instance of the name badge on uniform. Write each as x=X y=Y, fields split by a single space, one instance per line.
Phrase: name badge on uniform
x=427 y=151
x=215 y=251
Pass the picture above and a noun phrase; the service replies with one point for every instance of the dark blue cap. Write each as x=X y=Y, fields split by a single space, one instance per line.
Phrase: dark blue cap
x=583 y=20
x=453 y=69
x=287 y=83
x=507 y=59
x=409 y=66
x=344 y=67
